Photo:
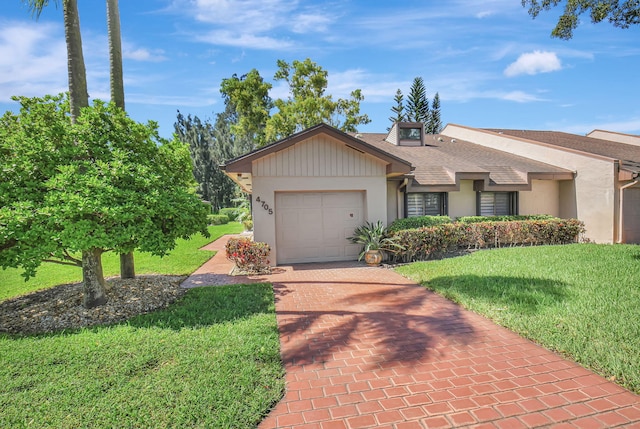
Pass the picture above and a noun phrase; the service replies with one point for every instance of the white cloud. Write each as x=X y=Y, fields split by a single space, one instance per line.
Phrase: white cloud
x=32 y=60
x=520 y=97
x=142 y=54
x=250 y=41
x=310 y=23
x=533 y=63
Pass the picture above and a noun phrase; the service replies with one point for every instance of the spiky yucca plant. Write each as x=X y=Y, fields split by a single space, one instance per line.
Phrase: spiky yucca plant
x=373 y=236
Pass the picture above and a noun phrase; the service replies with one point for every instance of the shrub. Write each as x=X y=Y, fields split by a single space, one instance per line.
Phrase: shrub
x=434 y=241
x=231 y=212
x=417 y=222
x=509 y=218
x=218 y=219
x=248 y=255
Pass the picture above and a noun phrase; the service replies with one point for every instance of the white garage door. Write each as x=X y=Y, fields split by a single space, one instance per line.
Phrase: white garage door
x=631 y=215
x=314 y=226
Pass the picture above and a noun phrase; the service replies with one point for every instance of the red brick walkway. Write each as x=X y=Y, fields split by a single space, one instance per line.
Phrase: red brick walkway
x=365 y=347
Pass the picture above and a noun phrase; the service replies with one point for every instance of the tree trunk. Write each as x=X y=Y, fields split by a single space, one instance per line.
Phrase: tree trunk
x=127 y=267
x=115 y=53
x=78 y=94
x=94 y=286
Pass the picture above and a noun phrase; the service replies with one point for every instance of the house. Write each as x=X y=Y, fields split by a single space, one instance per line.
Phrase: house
x=311 y=190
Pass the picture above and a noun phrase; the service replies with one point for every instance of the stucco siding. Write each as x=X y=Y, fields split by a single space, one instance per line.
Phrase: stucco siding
x=463 y=202
x=544 y=198
x=392 y=201
x=615 y=137
x=595 y=198
x=317 y=157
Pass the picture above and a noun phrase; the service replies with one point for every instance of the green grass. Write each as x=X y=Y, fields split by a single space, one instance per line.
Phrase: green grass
x=580 y=300
x=211 y=360
x=183 y=259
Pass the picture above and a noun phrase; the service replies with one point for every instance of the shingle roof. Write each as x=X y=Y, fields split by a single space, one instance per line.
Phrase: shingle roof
x=444 y=162
x=628 y=154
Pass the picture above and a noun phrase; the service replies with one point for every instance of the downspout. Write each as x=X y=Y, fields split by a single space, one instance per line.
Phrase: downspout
x=399 y=199
x=621 y=207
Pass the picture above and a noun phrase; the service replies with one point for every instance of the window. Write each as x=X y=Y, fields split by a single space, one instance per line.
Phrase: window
x=410 y=134
x=427 y=204
x=497 y=203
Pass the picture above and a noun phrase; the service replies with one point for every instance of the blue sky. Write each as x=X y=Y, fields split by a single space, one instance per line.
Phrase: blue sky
x=492 y=65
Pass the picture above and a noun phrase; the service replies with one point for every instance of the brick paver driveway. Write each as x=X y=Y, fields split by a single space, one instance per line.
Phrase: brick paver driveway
x=365 y=347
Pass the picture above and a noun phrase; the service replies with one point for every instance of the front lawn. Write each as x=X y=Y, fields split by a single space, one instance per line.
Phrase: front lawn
x=581 y=300
x=184 y=259
x=210 y=360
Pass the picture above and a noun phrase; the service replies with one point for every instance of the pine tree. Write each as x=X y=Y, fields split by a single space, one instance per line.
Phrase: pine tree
x=398 y=109
x=417 y=102
x=435 y=122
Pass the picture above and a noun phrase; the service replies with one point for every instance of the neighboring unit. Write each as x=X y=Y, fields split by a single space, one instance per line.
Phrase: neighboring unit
x=311 y=190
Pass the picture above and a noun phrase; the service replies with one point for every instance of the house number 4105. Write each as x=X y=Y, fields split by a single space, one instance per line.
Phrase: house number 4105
x=264 y=205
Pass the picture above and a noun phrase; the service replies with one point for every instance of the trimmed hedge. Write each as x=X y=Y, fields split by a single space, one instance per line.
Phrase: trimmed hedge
x=510 y=218
x=218 y=219
x=433 y=242
x=417 y=222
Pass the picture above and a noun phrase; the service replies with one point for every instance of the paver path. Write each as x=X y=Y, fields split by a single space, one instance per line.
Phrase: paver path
x=365 y=347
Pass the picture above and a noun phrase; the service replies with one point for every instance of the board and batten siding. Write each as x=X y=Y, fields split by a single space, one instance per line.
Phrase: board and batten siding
x=319 y=157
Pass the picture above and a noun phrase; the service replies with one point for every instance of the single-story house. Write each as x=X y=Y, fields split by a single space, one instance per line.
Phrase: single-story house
x=312 y=189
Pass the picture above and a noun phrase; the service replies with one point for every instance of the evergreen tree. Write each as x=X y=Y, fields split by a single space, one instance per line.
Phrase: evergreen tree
x=435 y=122
x=209 y=147
x=417 y=102
x=398 y=109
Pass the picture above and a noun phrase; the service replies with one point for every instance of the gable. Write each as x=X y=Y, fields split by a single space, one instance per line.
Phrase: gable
x=319 y=156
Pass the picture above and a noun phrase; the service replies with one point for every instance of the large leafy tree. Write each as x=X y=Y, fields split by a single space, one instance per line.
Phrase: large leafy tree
x=248 y=96
x=621 y=14
x=307 y=104
x=71 y=191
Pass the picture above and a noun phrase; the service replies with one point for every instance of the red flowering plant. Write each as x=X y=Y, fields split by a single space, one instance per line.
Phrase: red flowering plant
x=250 y=257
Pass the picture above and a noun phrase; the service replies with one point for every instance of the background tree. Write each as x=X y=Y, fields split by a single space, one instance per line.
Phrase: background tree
x=434 y=125
x=71 y=191
x=210 y=146
x=307 y=104
x=417 y=109
x=417 y=102
x=621 y=14
x=248 y=97
x=398 y=109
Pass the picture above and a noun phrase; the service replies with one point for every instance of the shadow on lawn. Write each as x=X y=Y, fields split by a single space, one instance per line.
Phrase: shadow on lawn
x=210 y=305
x=525 y=294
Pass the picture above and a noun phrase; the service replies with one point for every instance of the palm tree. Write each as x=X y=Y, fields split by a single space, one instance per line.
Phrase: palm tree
x=94 y=286
x=127 y=265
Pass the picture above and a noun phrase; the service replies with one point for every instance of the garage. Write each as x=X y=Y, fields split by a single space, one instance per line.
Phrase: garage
x=631 y=215
x=314 y=226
